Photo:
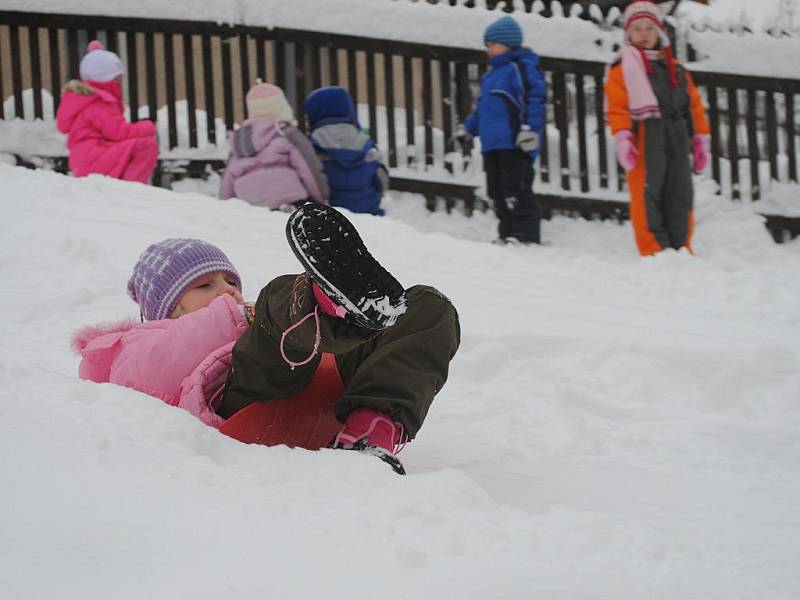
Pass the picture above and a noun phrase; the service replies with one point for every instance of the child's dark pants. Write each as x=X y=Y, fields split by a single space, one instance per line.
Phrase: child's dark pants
x=509 y=184
x=396 y=371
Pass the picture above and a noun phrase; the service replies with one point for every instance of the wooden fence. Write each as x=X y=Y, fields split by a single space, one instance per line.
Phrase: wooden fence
x=192 y=76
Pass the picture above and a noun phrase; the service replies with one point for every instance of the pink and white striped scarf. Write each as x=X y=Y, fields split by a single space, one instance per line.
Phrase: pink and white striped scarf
x=642 y=101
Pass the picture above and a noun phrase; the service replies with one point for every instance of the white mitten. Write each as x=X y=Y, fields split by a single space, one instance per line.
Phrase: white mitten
x=527 y=140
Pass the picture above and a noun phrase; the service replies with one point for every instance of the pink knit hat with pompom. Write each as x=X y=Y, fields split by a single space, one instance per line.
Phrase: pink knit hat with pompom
x=98 y=64
x=267 y=100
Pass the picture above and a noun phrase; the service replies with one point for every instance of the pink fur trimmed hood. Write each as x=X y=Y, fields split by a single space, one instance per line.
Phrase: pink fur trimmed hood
x=183 y=361
x=84 y=335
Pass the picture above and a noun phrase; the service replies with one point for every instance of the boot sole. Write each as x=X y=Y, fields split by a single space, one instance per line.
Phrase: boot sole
x=330 y=249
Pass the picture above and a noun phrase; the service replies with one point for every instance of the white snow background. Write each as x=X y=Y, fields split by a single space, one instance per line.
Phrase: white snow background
x=613 y=427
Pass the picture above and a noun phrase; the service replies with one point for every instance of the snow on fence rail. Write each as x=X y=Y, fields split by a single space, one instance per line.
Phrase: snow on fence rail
x=191 y=77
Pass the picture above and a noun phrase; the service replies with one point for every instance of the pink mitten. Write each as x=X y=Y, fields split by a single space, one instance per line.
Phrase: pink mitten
x=626 y=150
x=700 y=152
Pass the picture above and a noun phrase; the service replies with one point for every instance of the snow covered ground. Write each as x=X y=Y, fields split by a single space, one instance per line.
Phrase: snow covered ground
x=613 y=427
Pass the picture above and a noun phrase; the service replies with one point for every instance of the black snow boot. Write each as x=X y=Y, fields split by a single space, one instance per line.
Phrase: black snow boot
x=331 y=251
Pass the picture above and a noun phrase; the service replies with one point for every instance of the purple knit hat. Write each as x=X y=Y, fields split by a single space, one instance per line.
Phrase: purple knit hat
x=165 y=270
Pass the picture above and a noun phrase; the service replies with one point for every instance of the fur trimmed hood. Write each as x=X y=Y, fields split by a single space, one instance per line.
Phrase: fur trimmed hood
x=84 y=335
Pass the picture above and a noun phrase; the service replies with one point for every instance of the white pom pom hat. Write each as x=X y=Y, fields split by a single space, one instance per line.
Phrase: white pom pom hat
x=98 y=64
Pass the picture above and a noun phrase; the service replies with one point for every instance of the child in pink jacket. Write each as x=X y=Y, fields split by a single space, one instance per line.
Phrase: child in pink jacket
x=200 y=347
x=192 y=311
x=99 y=138
x=271 y=163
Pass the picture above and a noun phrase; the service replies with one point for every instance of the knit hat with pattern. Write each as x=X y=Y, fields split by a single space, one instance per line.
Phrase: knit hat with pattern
x=504 y=31
x=645 y=9
x=98 y=64
x=165 y=271
x=639 y=9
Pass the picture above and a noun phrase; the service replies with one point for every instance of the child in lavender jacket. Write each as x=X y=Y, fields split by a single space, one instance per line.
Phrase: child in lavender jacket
x=200 y=347
x=271 y=163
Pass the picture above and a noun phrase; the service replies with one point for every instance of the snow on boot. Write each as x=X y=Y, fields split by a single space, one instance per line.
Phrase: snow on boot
x=331 y=251
x=371 y=432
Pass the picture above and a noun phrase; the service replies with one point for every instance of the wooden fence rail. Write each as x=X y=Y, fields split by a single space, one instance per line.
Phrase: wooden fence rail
x=192 y=76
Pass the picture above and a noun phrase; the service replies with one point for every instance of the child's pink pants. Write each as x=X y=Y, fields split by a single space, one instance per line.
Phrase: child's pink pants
x=142 y=163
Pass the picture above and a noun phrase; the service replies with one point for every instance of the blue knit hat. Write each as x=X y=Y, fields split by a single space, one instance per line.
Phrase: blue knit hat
x=504 y=31
x=332 y=102
x=165 y=271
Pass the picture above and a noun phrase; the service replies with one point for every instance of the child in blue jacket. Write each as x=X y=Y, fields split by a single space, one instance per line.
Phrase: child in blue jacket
x=509 y=117
x=352 y=163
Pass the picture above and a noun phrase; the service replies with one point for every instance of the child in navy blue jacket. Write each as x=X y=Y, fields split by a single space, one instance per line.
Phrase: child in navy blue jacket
x=352 y=163
x=509 y=117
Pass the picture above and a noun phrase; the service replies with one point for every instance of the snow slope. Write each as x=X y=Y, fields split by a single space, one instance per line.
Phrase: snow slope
x=613 y=427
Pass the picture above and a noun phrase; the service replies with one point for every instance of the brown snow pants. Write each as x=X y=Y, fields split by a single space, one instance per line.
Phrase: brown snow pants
x=396 y=371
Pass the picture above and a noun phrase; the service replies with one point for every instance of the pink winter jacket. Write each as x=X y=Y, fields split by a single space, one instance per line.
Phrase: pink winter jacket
x=183 y=361
x=272 y=163
x=99 y=140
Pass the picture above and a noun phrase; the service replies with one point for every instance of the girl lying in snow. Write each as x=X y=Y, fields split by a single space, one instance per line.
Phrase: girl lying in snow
x=201 y=347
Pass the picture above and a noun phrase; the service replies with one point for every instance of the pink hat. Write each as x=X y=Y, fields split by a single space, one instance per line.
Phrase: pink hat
x=645 y=9
x=642 y=9
x=98 y=64
x=267 y=100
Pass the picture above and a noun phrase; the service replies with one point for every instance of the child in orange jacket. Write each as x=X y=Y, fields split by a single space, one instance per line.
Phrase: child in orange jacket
x=657 y=118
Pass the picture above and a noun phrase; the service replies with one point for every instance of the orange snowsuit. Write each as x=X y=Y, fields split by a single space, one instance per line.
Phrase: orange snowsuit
x=660 y=184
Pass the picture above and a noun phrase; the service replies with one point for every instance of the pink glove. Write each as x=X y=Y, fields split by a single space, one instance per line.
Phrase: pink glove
x=626 y=150
x=700 y=152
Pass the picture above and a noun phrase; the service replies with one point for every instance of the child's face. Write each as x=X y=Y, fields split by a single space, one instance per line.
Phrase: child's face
x=644 y=34
x=496 y=49
x=203 y=290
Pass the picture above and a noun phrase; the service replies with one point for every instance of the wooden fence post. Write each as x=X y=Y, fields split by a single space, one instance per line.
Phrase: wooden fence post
x=791 y=147
x=733 y=143
x=752 y=144
x=16 y=72
x=191 y=101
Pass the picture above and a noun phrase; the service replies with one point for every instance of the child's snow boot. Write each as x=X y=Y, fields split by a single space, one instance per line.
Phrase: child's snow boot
x=331 y=251
x=374 y=433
